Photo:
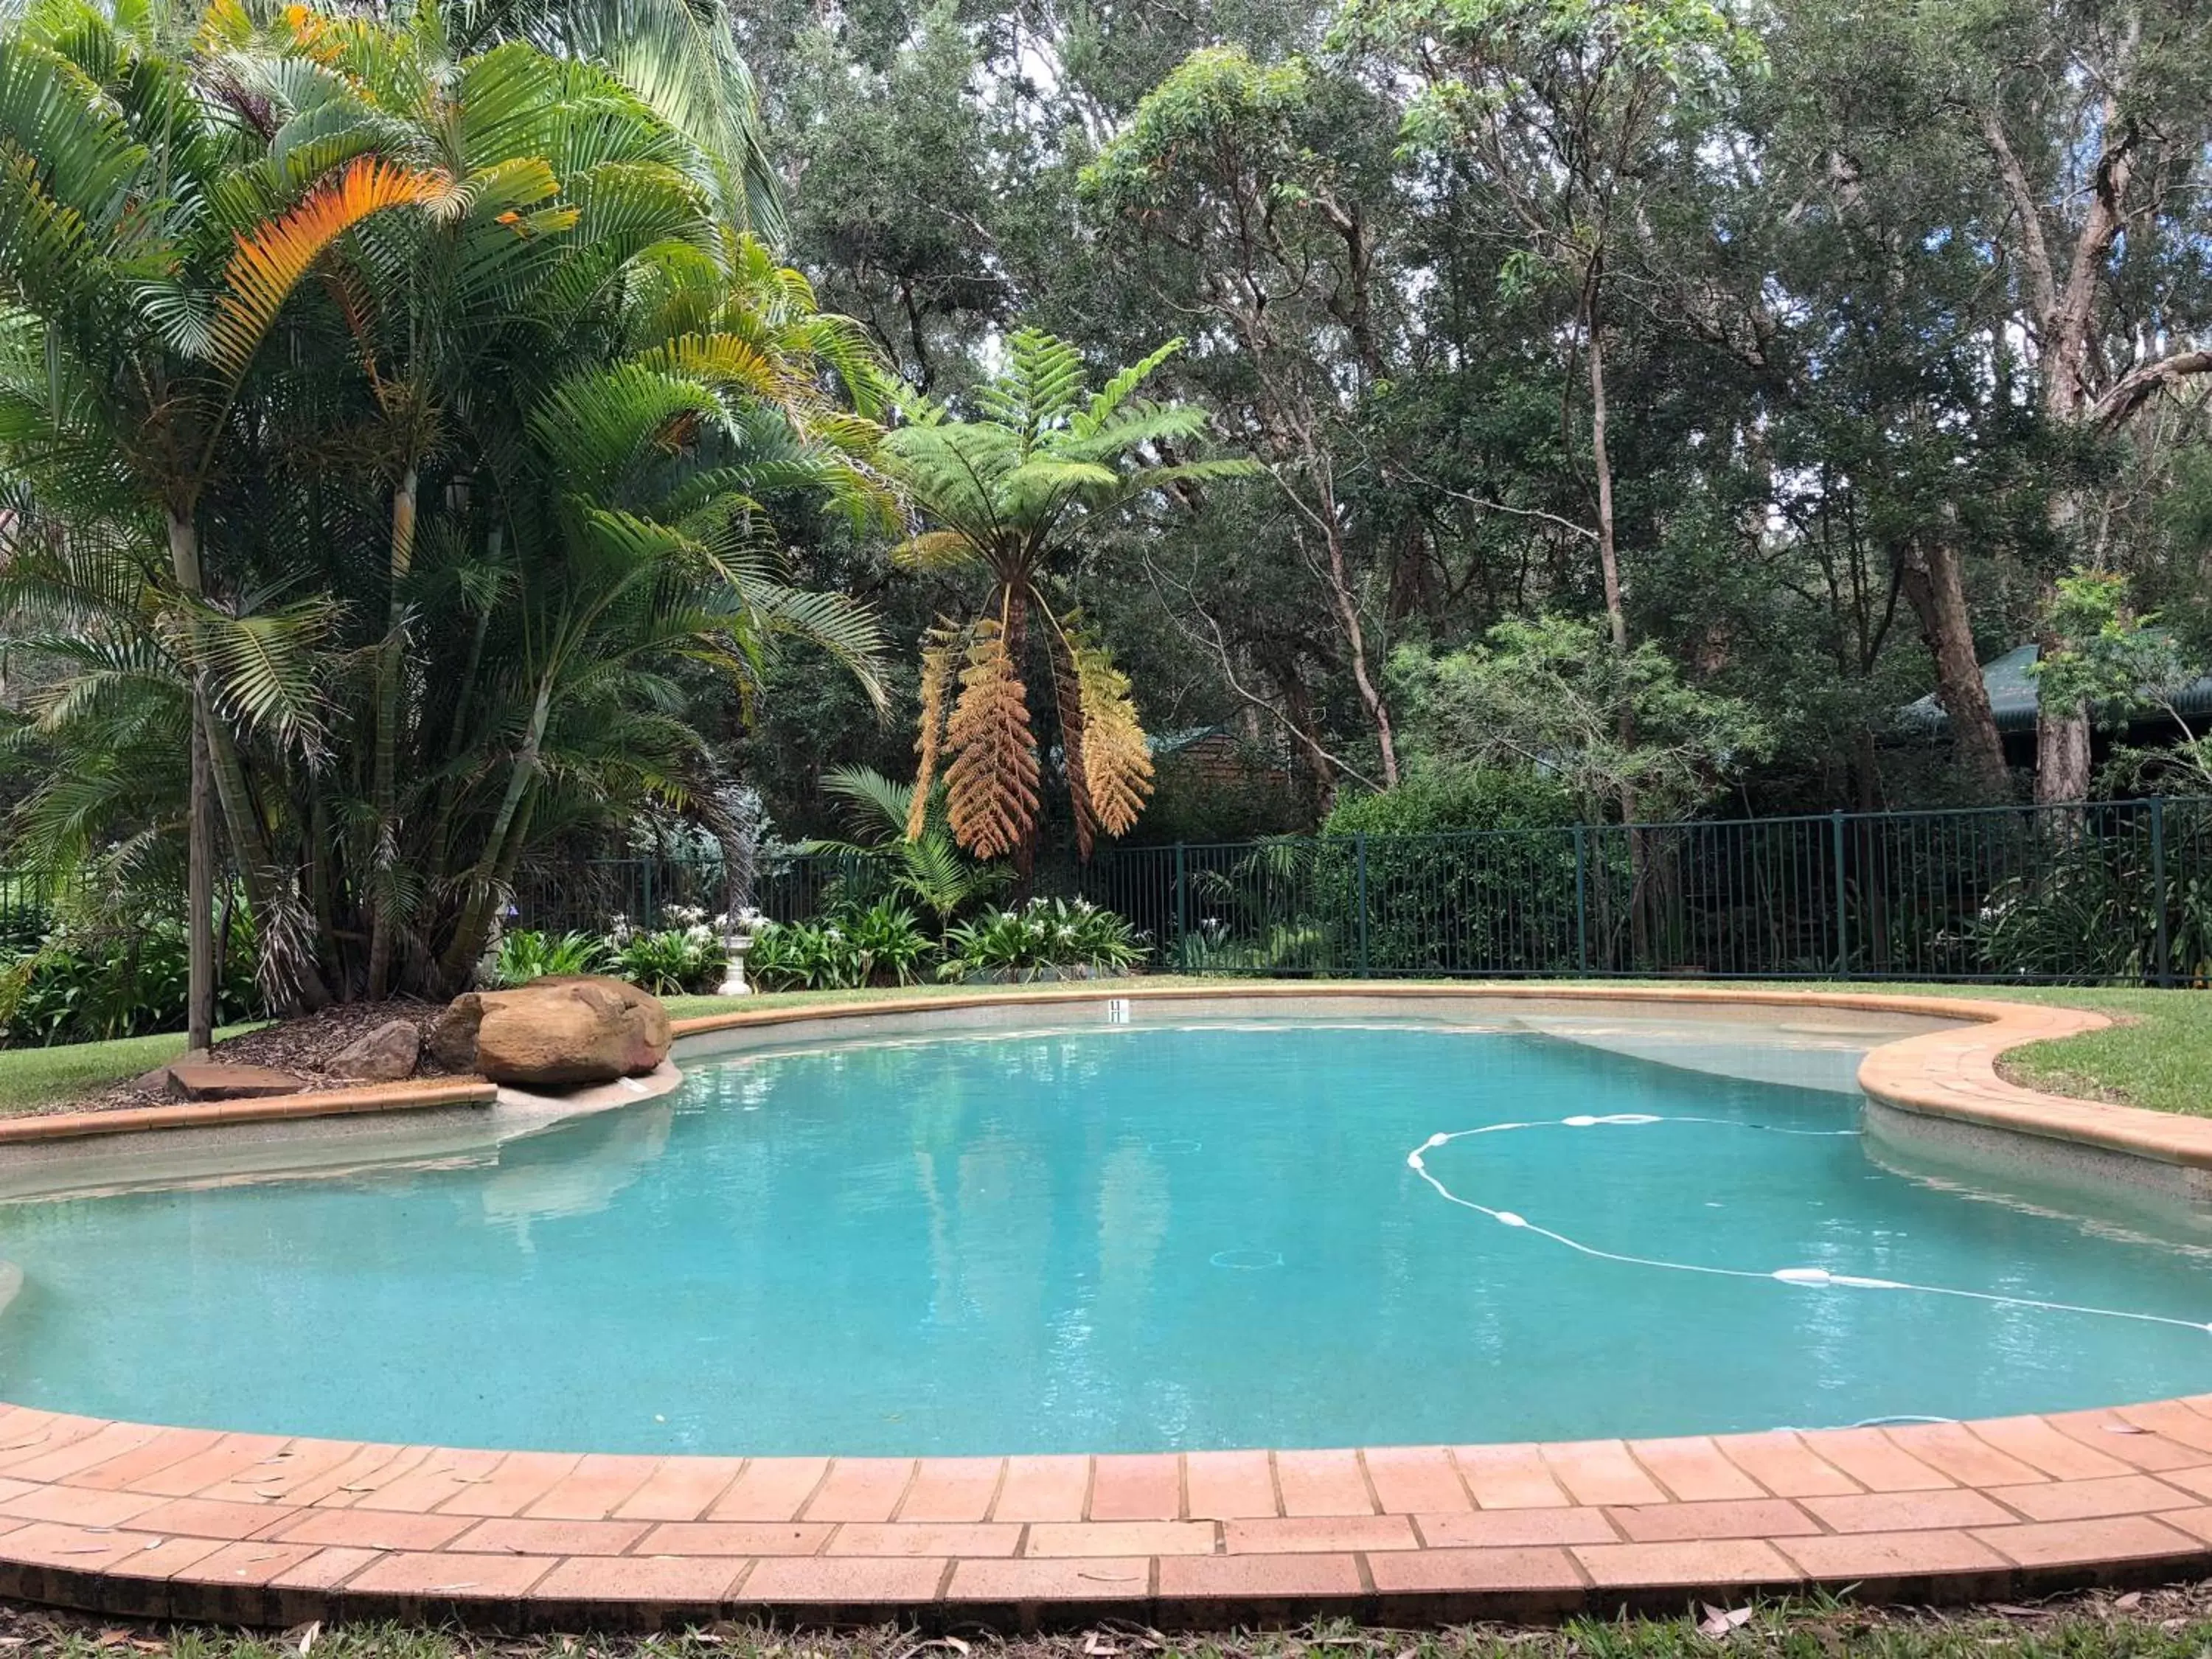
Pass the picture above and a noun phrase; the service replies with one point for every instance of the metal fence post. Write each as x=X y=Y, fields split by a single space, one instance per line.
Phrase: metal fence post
x=1582 y=900
x=1182 y=899
x=1843 y=917
x=2162 y=959
x=1359 y=856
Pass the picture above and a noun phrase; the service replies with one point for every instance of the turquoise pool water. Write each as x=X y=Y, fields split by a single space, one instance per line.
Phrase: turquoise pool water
x=1111 y=1238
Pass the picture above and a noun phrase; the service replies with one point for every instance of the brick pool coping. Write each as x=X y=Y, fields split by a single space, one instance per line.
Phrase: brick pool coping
x=33 y=1128
x=128 y=1519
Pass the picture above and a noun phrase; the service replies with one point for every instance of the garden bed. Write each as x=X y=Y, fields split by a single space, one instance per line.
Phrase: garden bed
x=302 y=1047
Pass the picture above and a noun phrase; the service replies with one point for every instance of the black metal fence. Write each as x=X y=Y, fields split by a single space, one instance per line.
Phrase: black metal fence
x=2116 y=892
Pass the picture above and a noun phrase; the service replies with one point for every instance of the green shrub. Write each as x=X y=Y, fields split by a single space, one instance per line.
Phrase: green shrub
x=892 y=945
x=1456 y=801
x=883 y=943
x=804 y=955
x=671 y=961
x=90 y=985
x=1043 y=934
x=527 y=954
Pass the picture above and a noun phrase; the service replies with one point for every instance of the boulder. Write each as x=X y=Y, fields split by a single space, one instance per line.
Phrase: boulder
x=385 y=1056
x=192 y=1079
x=559 y=1032
x=452 y=1038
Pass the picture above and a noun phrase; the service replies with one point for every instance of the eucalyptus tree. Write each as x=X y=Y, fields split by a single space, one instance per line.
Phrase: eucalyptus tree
x=1260 y=184
x=1563 y=107
x=2097 y=119
x=1013 y=492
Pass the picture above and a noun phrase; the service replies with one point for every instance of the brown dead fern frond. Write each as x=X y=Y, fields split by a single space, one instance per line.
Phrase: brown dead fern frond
x=991 y=787
x=1068 y=699
x=1117 y=763
x=940 y=657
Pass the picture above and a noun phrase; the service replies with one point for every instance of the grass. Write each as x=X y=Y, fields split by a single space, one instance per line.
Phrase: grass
x=32 y=1078
x=2171 y=1623
x=2158 y=1057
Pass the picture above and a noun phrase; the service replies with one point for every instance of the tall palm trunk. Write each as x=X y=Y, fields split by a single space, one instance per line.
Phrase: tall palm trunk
x=384 y=793
x=199 y=824
x=503 y=849
x=300 y=983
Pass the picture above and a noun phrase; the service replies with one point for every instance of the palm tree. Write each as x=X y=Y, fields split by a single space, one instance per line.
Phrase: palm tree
x=491 y=518
x=1012 y=491
x=145 y=256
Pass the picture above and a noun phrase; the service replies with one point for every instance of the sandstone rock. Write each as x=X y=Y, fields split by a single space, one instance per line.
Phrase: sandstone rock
x=561 y=1032
x=452 y=1038
x=192 y=1079
x=384 y=1056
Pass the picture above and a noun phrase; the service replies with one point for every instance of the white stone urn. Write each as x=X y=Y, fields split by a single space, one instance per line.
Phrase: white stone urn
x=738 y=931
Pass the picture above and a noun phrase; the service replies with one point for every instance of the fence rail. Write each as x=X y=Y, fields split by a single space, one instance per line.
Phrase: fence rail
x=2114 y=892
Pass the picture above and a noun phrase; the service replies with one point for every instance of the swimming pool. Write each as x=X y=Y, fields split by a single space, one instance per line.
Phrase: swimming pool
x=1068 y=1233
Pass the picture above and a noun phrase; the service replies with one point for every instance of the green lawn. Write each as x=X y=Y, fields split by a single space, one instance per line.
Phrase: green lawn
x=2160 y=1057
x=34 y=1077
x=2153 y=1625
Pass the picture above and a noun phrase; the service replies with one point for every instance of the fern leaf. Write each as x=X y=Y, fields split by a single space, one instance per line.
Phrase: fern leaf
x=1067 y=696
x=990 y=791
x=1117 y=764
x=940 y=654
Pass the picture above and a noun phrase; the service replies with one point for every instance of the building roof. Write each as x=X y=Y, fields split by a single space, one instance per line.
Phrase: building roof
x=2012 y=695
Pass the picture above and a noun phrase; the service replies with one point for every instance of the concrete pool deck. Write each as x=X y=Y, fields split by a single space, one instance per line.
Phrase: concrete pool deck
x=135 y=1520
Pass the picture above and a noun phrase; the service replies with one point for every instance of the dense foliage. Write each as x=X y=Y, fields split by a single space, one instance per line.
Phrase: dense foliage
x=395 y=414
x=422 y=430
x=1809 y=345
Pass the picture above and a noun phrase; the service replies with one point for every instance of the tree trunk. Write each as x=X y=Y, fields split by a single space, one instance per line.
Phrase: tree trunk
x=199 y=825
x=199 y=897
x=1608 y=557
x=1930 y=575
x=2062 y=755
x=2062 y=732
x=384 y=792
x=502 y=852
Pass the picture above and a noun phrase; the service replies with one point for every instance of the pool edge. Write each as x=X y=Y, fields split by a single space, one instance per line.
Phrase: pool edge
x=132 y=1520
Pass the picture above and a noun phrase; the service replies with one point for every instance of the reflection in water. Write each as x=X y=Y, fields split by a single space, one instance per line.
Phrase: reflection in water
x=575 y=1180
x=984 y=1244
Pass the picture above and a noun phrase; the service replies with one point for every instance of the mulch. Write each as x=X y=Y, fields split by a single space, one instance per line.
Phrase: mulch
x=302 y=1047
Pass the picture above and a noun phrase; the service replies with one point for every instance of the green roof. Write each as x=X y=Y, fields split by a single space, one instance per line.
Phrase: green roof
x=2012 y=695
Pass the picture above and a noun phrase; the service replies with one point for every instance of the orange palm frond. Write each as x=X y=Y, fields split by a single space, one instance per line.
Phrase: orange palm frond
x=992 y=784
x=1117 y=764
x=268 y=263
x=941 y=653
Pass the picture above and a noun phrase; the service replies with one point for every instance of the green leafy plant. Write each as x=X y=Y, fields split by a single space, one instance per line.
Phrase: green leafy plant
x=527 y=954
x=1043 y=936
x=892 y=944
x=86 y=985
x=1013 y=490
x=804 y=955
x=929 y=868
x=671 y=961
x=883 y=943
